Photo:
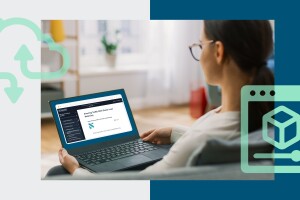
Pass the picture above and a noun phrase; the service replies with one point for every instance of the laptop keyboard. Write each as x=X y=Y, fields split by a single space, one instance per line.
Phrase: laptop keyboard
x=115 y=152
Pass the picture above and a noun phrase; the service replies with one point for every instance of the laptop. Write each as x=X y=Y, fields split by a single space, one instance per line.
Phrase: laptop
x=100 y=132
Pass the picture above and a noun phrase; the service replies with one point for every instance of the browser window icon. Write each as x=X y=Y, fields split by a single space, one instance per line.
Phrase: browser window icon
x=284 y=120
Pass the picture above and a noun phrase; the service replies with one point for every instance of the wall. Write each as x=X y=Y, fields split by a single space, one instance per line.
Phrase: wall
x=133 y=81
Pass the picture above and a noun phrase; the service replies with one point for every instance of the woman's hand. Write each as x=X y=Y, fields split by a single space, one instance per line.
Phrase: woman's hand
x=158 y=136
x=68 y=162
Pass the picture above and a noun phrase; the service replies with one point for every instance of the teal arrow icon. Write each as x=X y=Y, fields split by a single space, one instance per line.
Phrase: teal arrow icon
x=22 y=22
x=23 y=55
x=13 y=92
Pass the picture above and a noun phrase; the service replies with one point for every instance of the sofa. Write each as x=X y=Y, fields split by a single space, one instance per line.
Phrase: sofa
x=218 y=160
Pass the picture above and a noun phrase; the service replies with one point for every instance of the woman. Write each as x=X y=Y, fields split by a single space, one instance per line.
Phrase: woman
x=233 y=54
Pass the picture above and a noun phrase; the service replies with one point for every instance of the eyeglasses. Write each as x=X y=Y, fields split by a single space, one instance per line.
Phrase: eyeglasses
x=196 y=48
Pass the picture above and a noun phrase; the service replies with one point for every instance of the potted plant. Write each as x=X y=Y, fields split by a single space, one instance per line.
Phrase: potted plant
x=111 y=45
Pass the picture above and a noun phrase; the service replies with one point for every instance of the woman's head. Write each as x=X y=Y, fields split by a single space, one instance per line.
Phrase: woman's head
x=236 y=51
x=247 y=43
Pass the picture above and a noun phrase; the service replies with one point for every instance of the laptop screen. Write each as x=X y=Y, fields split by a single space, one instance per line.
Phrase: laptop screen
x=92 y=118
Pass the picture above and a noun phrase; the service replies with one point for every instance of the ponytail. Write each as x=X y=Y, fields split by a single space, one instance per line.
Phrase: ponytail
x=263 y=76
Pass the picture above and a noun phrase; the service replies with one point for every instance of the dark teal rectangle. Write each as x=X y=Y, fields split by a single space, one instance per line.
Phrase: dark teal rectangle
x=287 y=72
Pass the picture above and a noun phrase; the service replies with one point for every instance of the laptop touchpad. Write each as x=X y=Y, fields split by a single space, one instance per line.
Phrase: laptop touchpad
x=134 y=160
x=106 y=167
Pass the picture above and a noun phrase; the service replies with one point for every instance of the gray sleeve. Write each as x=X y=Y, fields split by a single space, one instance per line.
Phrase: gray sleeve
x=81 y=172
x=180 y=152
x=177 y=132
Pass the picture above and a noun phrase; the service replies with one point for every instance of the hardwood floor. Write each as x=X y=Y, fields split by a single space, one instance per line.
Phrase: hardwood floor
x=145 y=120
x=49 y=139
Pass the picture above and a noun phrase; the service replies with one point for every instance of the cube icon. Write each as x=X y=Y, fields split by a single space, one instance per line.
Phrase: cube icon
x=292 y=118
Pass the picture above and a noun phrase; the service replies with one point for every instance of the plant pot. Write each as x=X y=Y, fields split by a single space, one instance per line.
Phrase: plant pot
x=111 y=59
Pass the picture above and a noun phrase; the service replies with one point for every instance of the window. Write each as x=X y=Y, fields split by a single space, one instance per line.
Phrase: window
x=130 y=49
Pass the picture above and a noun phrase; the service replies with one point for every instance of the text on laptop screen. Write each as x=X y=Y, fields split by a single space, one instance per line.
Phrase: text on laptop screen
x=93 y=118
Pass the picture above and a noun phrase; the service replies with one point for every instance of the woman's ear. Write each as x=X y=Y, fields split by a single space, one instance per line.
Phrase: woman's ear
x=219 y=52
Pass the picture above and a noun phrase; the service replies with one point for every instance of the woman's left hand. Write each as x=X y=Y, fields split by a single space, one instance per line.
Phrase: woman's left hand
x=68 y=162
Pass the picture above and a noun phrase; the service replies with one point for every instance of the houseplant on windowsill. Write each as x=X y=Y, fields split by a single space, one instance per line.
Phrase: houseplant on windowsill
x=111 y=45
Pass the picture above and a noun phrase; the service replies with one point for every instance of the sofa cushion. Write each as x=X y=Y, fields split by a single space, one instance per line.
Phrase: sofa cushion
x=219 y=151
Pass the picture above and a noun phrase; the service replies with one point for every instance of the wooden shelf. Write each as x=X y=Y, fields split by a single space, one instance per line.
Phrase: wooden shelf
x=58 y=80
x=66 y=43
x=52 y=61
x=46 y=115
x=68 y=76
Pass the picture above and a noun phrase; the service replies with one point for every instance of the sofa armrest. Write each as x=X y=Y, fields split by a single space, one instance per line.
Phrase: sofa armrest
x=230 y=171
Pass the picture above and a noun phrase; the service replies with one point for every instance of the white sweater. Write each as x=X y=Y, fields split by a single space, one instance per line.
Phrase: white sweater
x=186 y=139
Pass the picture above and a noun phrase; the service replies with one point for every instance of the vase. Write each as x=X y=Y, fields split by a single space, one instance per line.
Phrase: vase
x=57 y=30
x=111 y=59
x=198 y=102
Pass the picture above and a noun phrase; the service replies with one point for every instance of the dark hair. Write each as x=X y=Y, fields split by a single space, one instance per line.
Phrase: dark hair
x=249 y=43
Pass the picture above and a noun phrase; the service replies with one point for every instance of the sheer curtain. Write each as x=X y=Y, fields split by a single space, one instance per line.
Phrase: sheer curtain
x=172 y=70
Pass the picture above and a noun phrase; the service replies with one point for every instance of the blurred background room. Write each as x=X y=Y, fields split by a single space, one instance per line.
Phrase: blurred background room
x=149 y=59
